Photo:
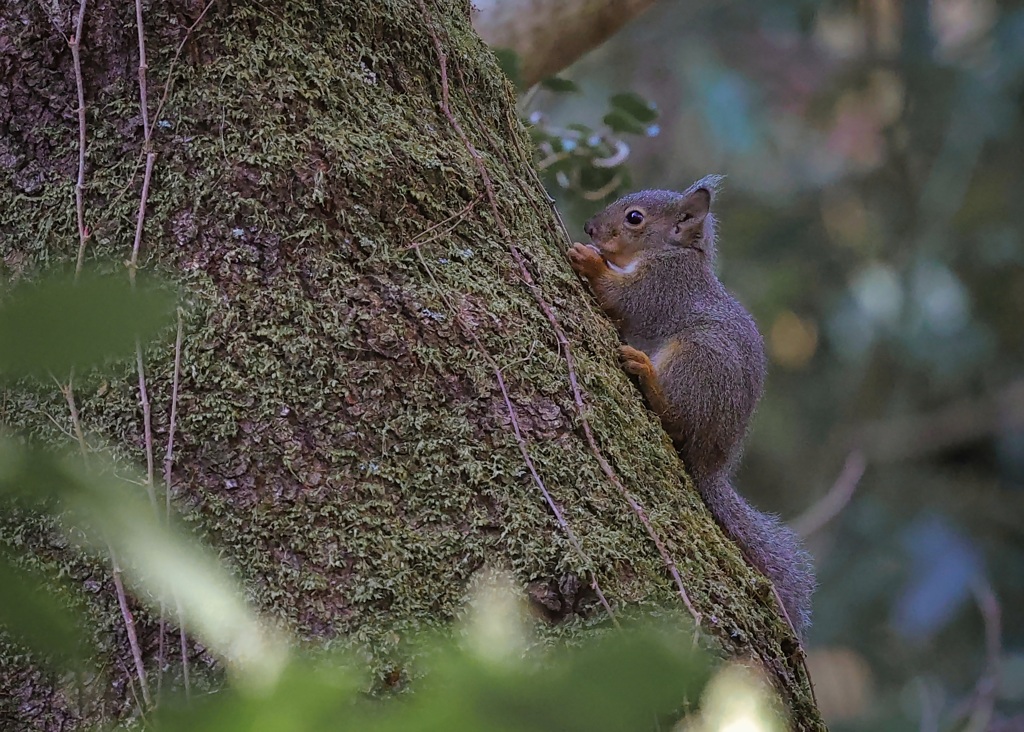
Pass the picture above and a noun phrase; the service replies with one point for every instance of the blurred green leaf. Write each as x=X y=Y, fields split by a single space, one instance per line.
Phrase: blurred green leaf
x=620 y=121
x=309 y=696
x=170 y=565
x=54 y=324
x=559 y=85
x=635 y=106
x=158 y=560
x=623 y=681
x=29 y=471
x=36 y=618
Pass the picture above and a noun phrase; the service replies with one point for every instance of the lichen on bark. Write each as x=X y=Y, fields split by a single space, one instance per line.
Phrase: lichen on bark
x=341 y=440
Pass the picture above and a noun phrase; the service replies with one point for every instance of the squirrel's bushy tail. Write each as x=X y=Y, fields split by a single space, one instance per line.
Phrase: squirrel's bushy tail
x=767 y=543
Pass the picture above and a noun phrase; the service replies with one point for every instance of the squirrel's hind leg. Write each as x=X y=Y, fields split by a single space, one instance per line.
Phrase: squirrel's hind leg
x=639 y=364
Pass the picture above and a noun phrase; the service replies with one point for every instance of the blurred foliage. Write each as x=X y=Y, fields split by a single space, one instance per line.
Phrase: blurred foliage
x=488 y=674
x=585 y=163
x=871 y=222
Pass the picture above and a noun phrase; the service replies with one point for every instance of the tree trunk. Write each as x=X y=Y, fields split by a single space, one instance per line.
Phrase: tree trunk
x=382 y=336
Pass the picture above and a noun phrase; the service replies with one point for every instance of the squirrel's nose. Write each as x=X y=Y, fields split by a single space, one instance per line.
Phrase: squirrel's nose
x=589 y=228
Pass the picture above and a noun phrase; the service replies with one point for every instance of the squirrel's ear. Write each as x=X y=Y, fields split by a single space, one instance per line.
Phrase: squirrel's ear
x=691 y=210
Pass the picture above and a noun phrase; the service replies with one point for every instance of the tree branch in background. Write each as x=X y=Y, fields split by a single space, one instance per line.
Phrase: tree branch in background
x=979 y=708
x=832 y=503
x=961 y=422
x=549 y=35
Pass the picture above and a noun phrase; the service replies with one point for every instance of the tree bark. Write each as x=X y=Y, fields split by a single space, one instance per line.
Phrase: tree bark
x=381 y=339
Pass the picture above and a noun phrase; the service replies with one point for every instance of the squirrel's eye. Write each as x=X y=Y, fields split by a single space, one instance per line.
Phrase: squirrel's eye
x=634 y=218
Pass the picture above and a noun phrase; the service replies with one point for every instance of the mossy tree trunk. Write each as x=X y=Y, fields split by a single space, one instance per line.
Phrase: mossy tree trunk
x=353 y=289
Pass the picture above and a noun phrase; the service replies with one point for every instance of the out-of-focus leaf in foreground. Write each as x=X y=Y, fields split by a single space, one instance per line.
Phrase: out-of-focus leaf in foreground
x=631 y=680
x=160 y=562
x=178 y=571
x=37 y=619
x=50 y=325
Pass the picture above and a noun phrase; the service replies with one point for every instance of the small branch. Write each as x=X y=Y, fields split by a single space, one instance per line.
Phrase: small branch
x=147 y=426
x=980 y=707
x=183 y=638
x=174 y=62
x=76 y=46
x=168 y=464
x=521 y=440
x=169 y=455
x=548 y=35
x=458 y=217
x=563 y=342
x=143 y=67
x=129 y=624
x=918 y=435
x=133 y=263
x=122 y=600
x=140 y=219
x=832 y=503
x=76 y=423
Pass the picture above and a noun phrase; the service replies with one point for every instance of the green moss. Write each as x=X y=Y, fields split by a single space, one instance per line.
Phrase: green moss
x=341 y=440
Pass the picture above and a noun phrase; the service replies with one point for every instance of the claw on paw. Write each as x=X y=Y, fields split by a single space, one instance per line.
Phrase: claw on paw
x=586 y=260
x=635 y=361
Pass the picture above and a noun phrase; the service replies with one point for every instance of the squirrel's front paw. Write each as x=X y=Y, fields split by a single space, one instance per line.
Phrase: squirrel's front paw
x=636 y=362
x=586 y=261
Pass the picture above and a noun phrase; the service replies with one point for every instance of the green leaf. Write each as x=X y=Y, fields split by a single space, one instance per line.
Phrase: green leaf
x=635 y=106
x=559 y=85
x=309 y=696
x=112 y=514
x=52 y=325
x=37 y=619
x=620 y=121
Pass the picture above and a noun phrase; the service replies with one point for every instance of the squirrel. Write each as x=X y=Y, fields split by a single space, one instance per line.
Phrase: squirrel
x=698 y=356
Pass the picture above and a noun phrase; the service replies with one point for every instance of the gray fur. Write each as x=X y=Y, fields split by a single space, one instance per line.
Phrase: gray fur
x=712 y=383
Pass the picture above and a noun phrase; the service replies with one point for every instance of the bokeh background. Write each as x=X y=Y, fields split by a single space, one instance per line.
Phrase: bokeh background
x=872 y=221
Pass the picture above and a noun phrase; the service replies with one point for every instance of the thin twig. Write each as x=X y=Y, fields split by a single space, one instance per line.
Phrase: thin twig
x=832 y=503
x=122 y=601
x=183 y=638
x=459 y=215
x=520 y=439
x=978 y=709
x=957 y=423
x=147 y=420
x=174 y=62
x=161 y=650
x=76 y=58
x=140 y=219
x=169 y=455
x=168 y=464
x=563 y=342
x=129 y=624
x=143 y=67
x=76 y=423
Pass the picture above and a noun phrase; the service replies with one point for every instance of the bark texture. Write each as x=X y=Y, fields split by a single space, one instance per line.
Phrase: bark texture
x=342 y=435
